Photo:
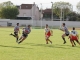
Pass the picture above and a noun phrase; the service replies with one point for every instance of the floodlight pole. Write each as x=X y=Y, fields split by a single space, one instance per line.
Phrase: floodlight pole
x=52 y=11
x=61 y=18
x=32 y=14
x=41 y=15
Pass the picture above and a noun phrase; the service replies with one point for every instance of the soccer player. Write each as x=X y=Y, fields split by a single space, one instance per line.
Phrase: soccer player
x=74 y=37
x=16 y=30
x=25 y=33
x=66 y=32
x=47 y=34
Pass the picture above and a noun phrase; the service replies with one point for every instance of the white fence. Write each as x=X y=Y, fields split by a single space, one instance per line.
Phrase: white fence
x=4 y=22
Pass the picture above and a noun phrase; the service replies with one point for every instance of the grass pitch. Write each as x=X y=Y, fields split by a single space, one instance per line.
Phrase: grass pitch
x=34 y=47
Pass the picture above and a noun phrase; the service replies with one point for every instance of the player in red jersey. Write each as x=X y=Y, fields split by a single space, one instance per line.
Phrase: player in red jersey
x=74 y=37
x=47 y=34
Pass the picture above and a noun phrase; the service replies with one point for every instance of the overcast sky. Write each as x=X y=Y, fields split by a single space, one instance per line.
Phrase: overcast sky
x=45 y=3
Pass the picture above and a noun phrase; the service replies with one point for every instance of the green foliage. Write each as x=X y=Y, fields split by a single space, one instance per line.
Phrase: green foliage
x=65 y=6
x=74 y=16
x=78 y=6
x=8 y=10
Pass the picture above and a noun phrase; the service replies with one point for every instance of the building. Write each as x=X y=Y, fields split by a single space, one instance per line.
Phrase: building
x=28 y=12
x=47 y=15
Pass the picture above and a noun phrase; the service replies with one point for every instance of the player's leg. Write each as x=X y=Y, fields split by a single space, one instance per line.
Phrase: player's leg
x=77 y=41
x=63 y=37
x=23 y=38
x=72 y=42
x=16 y=35
x=73 y=38
x=50 y=41
x=46 y=41
x=46 y=38
x=13 y=34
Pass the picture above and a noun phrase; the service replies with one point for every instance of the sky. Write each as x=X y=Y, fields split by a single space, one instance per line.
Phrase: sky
x=45 y=3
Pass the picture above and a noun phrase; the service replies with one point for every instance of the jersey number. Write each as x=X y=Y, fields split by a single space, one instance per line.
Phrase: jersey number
x=73 y=32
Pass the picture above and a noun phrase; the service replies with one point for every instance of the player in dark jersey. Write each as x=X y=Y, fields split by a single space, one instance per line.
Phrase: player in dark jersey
x=25 y=33
x=66 y=32
x=16 y=30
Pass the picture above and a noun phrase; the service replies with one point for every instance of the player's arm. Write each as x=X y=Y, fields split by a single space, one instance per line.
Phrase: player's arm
x=45 y=32
x=29 y=31
x=62 y=29
x=69 y=36
x=19 y=31
x=51 y=32
x=77 y=36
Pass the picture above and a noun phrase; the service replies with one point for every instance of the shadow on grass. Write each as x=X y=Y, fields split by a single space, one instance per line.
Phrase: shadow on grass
x=28 y=43
x=64 y=45
x=15 y=47
x=5 y=31
x=52 y=46
x=69 y=45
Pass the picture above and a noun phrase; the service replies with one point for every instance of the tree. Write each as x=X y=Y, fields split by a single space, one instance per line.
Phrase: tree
x=64 y=6
x=5 y=4
x=78 y=6
x=8 y=10
x=73 y=16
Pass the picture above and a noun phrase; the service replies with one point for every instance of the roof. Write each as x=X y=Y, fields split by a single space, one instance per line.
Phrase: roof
x=47 y=11
x=26 y=6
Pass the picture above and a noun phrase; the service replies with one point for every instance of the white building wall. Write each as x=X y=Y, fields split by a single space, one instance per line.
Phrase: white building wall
x=25 y=13
x=34 y=12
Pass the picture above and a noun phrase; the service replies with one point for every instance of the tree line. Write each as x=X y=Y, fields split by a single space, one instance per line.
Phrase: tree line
x=60 y=9
x=66 y=10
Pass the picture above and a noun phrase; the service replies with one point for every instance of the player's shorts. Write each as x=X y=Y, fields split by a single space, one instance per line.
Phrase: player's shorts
x=74 y=38
x=16 y=33
x=25 y=35
x=48 y=34
x=67 y=34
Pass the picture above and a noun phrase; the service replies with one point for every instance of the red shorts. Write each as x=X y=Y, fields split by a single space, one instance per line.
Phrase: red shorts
x=48 y=34
x=74 y=38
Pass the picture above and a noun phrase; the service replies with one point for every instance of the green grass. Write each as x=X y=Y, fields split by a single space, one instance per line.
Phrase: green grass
x=34 y=47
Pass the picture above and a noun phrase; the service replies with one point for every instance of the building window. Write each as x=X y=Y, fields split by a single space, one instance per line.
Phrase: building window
x=26 y=6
